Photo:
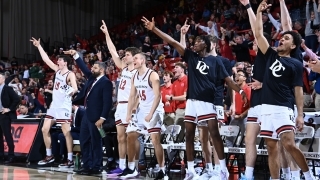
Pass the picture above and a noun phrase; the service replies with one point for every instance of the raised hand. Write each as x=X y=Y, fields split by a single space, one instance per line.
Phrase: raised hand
x=147 y=24
x=185 y=28
x=71 y=52
x=103 y=27
x=255 y=84
x=263 y=6
x=99 y=55
x=244 y=2
x=35 y=42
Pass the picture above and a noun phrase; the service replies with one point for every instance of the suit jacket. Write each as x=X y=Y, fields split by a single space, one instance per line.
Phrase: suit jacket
x=10 y=99
x=99 y=100
x=110 y=124
x=77 y=124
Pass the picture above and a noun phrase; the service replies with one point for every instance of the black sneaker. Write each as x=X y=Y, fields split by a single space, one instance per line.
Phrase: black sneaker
x=160 y=175
x=128 y=173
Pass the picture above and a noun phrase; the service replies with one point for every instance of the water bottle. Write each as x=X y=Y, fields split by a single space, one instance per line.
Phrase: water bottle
x=77 y=162
x=102 y=132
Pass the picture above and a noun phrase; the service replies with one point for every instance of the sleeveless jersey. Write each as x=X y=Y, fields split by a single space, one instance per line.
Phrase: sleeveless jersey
x=145 y=91
x=60 y=99
x=124 y=87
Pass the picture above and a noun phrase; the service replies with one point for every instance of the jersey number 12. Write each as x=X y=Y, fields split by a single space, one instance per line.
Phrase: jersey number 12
x=122 y=84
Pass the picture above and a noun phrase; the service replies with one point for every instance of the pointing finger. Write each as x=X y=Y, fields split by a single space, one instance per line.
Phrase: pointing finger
x=103 y=22
x=185 y=23
x=153 y=19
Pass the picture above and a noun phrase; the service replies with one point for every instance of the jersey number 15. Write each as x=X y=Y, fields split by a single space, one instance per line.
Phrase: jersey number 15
x=142 y=95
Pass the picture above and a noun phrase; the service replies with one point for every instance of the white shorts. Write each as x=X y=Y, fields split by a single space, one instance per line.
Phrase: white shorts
x=197 y=111
x=138 y=123
x=121 y=114
x=254 y=114
x=60 y=115
x=295 y=111
x=279 y=119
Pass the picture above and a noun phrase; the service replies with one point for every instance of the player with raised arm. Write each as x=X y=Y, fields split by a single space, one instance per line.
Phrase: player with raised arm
x=127 y=67
x=61 y=106
x=203 y=73
x=282 y=74
x=145 y=84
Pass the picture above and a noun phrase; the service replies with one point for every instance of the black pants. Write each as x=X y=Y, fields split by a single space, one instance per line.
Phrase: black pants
x=111 y=141
x=5 y=129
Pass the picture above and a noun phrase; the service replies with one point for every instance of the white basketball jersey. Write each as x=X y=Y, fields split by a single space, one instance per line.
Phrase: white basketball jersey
x=60 y=98
x=125 y=84
x=145 y=91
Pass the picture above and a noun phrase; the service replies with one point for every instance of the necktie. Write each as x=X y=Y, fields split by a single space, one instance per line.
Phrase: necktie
x=88 y=90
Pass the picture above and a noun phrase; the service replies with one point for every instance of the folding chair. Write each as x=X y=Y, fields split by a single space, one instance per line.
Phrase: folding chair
x=230 y=131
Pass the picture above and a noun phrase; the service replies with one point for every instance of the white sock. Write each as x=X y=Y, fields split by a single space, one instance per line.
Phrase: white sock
x=136 y=163
x=287 y=173
x=295 y=173
x=307 y=175
x=209 y=166
x=122 y=164
x=249 y=172
x=191 y=167
x=163 y=169
x=217 y=167
x=131 y=165
x=223 y=164
x=49 y=152
x=70 y=156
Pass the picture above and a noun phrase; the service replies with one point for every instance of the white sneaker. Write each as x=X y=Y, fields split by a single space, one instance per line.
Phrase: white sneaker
x=191 y=176
x=206 y=175
x=295 y=178
x=220 y=175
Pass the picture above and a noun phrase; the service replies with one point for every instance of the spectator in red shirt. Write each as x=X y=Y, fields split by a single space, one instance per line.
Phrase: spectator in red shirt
x=166 y=89
x=179 y=94
x=241 y=109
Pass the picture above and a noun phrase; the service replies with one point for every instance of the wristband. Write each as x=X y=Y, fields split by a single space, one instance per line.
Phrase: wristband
x=248 y=6
x=240 y=92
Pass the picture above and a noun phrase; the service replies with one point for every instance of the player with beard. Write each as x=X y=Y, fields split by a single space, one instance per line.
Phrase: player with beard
x=61 y=106
x=283 y=73
x=204 y=72
x=127 y=67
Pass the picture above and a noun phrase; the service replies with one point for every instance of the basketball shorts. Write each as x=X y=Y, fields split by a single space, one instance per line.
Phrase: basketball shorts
x=121 y=114
x=140 y=125
x=60 y=115
x=220 y=116
x=276 y=120
x=254 y=114
x=198 y=111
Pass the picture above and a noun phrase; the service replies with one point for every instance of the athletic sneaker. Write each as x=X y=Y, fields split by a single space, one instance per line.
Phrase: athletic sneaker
x=46 y=160
x=220 y=175
x=284 y=177
x=128 y=173
x=243 y=177
x=191 y=175
x=295 y=178
x=160 y=175
x=115 y=172
x=68 y=164
x=206 y=175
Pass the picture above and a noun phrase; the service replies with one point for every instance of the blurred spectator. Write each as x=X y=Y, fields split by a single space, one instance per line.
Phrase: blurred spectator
x=16 y=85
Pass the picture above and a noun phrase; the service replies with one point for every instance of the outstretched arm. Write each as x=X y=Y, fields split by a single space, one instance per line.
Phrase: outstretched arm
x=261 y=40
x=252 y=16
x=150 y=26
x=43 y=54
x=111 y=47
x=285 y=17
x=184 y=30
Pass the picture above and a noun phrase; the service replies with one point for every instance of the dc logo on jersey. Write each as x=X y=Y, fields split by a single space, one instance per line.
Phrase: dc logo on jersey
x=276 y=67
x=202 y=67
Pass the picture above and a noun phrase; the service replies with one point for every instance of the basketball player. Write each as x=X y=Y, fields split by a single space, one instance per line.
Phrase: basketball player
x=124 y=88
x=283 y=73
x=145 y=84
x=218 y=102
x=61 y=106
x=204 y=71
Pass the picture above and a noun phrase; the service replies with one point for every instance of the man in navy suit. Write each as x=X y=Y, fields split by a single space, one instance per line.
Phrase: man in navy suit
x=96 y=96
x=59 y=150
